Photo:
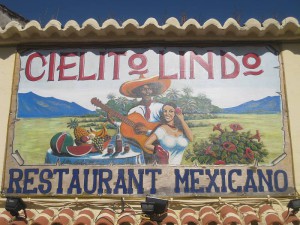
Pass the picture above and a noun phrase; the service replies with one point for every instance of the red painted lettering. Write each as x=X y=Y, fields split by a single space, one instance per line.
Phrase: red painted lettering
x=257 y=62
x=137 y=68
x=236 y=66
x=182 y=65
x=28 y=71
x=62 y=66
x=51 y=66
x=101 y=66
x=116 y=63
x=208 y=66
x=81 y=69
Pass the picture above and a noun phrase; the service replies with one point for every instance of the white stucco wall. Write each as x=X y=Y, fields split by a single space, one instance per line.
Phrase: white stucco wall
x=7 y=64
x=291 y=64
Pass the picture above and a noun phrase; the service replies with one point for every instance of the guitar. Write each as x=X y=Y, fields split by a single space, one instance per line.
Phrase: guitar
x=129 y=124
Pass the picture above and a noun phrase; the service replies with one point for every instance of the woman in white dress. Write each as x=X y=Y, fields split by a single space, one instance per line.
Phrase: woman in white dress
x=173 y=135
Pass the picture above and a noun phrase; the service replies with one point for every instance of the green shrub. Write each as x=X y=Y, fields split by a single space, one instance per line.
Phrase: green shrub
x=229 y=147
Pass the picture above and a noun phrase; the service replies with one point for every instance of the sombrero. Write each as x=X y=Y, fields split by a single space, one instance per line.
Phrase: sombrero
x=129 y=88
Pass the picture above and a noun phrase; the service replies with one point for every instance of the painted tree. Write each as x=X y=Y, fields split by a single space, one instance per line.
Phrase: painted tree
x=173 y=94
x=203 y=104
x=122 y=102
x=111 y=96
x=187 y=91
x=188 y=105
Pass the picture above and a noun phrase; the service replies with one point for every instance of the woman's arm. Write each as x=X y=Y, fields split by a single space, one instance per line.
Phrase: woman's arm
x=161 y=154
x=187 y=131
x=149 y=142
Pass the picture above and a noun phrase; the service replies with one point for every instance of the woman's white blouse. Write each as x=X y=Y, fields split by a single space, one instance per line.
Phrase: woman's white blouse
x=174 y=145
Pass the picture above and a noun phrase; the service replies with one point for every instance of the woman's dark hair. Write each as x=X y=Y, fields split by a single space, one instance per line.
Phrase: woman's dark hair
x=177 y=122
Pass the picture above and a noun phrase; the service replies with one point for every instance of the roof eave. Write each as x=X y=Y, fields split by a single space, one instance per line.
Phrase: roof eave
x=172 y=31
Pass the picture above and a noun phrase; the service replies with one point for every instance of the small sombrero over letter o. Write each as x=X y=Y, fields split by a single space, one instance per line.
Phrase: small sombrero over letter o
x=131 y=88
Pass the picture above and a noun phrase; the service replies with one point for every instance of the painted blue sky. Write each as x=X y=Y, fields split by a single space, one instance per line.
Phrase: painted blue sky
x=121 y=10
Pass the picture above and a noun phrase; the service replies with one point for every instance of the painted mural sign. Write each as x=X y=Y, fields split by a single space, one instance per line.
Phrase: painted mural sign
x=169 y=121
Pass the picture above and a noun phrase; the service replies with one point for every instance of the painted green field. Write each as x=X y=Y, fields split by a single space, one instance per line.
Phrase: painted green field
x=32 y=136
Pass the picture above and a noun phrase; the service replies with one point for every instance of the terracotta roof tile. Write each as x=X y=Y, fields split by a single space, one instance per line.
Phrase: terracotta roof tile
x=171 y=211
x=206 y=209
x=148 y=222
x=272 y=219
x=44 y=217
x=20 y=221
x=104 y=221
x=226 y=209
x=289 y=217
x=31 y=213
x=210 y=218
x=3 y=221
x=87 y=212
x=65 y=217
x=171 y=218
x=207 y=215
x=126 y=218
x=185 y=211
x=248 y=214
x=270 y=216
x=265 y=208
x=188 y=216
x=245 y=209
x=251 y=219
x=232 y=219
x=106 y=217
x=83 y=219
x=189 y=219
x=129 y=210
x=203 y=215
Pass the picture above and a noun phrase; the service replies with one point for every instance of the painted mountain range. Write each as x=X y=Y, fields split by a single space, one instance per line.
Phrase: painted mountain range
x=31 y=105
x=268 y=105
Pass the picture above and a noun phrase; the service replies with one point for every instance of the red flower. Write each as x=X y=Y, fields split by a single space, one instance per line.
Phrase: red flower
x=218 y=127
x=249 y=154
x=256 y=136
x=235 y=127
x=208 y=151
x=220 y=162
x=229 y=146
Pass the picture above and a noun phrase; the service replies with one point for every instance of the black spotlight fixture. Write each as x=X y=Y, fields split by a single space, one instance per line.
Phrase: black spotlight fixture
x=294 y=205
x=155 y=208
x=13 y=205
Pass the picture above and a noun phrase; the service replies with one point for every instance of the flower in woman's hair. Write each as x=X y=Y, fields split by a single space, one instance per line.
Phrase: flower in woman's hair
x=249 y=154
x=229 y=146
x=220 y=162
x=256 y=136
x=235 y=127
x=218 y=127
x=178 y=110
